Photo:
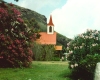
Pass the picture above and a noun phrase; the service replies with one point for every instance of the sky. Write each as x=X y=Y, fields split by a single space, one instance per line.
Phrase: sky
x=70 y=17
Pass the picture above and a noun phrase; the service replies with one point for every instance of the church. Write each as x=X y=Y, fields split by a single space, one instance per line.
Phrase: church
x=49 y=37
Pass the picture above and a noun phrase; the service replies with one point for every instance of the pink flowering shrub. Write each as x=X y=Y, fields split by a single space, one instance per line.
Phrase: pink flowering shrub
x=15 y=38
x=83 y=54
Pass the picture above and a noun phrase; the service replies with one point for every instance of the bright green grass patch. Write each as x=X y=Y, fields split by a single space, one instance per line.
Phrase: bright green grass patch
x=39 y=71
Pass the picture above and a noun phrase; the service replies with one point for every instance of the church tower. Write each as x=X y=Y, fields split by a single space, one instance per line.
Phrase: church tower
x=50 y=26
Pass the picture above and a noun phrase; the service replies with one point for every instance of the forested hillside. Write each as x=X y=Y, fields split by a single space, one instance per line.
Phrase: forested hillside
x=42 y=22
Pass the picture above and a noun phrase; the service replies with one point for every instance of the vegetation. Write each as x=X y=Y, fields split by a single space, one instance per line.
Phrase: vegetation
x=15 y=38
x=84 y=53
x=41 y=20
x=39 y=71
x=43 y=52
x=62 y=40
x=33 y=18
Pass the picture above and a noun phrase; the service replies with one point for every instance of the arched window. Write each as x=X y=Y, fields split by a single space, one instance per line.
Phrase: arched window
x=50 y=29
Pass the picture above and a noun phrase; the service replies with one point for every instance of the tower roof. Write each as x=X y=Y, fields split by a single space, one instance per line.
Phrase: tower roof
x=50 y=21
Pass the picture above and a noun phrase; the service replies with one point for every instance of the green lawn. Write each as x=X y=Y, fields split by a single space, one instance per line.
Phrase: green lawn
x=52 y=70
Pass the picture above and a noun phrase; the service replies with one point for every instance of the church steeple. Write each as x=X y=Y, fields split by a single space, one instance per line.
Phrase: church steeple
x=50 y=21
x=50 y=26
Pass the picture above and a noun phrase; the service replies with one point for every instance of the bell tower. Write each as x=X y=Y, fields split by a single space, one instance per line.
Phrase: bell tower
x=50 y=26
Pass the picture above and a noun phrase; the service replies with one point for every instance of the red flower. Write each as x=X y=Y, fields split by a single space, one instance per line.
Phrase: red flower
x=20 y=20
x=9 y=47
x=29 y=59
x=2 y=37
x=13 y=51
x=30 y=52
x=3 y=11
x=16 y=53
x=16 y=11
x=21 y=49
x=17 y=41
x=1 y=57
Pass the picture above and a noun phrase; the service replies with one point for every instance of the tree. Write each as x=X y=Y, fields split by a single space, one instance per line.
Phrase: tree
x=83 y=54
x=38 y=52
x=43 y=52
x=16 y=38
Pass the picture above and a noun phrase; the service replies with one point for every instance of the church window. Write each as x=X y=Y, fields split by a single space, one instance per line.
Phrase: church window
x=50 y=29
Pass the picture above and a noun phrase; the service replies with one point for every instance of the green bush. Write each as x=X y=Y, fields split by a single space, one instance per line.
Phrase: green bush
x=83 y=54
x=43 y=52
x=56 y=59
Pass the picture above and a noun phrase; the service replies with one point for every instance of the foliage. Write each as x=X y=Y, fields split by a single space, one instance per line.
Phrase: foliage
x=56 y=59
x=48 y=51
x=32 y=24
x=37 y=49
x=42 y=22
x=15 y=38
x=43 y=52
x=62 y=40
x=83 y=54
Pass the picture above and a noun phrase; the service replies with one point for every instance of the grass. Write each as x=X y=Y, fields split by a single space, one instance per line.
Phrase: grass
x=49 y=70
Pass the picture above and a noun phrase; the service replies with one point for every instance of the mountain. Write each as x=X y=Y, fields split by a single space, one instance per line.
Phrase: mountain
x=42 y=22
x=29 y=14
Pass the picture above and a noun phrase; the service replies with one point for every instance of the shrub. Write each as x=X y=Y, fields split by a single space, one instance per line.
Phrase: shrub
x=56 y=59
x=15 y=38
x=43 y=52
x=83 y=54
x=38 y=52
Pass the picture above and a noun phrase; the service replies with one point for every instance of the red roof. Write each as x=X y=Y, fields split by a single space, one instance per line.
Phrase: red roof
x=47 y=38
x=50 y=21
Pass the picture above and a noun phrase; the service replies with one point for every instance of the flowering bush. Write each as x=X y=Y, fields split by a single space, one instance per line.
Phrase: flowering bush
x=83 y=54
x=15 y=38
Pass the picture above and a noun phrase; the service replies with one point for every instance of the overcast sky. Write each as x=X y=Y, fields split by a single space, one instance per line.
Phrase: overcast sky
x=70 y=17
